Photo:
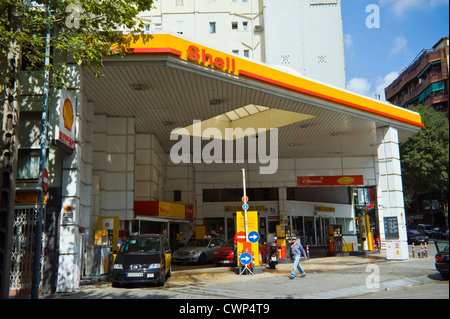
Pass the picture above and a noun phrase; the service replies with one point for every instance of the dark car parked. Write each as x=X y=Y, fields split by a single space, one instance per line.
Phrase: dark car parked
x=143 y=259
x=441 y=257
x=416 y=238
x=438 y=233
x=425 y=229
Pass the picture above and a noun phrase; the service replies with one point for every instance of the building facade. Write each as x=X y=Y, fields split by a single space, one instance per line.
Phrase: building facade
x=308 y=39
x=425 y=81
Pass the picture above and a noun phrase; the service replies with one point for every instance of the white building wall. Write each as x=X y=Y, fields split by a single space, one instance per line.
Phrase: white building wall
x=302 y=35
x=307 y=36
x=150 y=175
x=114 y=165
x=192 y=20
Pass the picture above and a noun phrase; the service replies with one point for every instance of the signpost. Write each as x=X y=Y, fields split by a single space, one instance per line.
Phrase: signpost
x=245 y=259
x=247 y=235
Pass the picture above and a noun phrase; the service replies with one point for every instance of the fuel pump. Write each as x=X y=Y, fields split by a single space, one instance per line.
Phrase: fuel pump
x=365 y=233
x=335 y=243
x=281 y=241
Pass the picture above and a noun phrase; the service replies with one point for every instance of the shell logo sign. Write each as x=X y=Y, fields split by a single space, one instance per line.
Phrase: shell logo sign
x=330 y=180
x=68 y=114
x=66 y=134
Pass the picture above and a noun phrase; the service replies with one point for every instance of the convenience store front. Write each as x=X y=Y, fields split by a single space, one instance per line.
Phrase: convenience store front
x=131 y=146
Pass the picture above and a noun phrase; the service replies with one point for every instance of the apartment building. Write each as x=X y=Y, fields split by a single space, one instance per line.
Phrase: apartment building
x=425 y=80
x=301 y=36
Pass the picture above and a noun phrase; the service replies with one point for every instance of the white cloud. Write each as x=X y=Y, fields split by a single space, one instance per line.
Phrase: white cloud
x=400 y=45
x=348 y=40
x=382 y=83
x=359 y=85
x=400 y=7
x=363 y=86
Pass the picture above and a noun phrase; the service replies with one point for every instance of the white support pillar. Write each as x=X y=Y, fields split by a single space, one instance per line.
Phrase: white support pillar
x=390 y=191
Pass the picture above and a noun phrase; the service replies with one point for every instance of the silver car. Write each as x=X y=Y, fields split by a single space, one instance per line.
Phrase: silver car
x=197 y=251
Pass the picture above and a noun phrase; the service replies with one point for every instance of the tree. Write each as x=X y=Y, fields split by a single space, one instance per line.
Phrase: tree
x=83 y=31
x=425 y=158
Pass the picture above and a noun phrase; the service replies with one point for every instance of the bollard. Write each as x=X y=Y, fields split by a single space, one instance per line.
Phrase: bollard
x=412 y=250
x=307 y=251
x=426 y=250
x=421 y=250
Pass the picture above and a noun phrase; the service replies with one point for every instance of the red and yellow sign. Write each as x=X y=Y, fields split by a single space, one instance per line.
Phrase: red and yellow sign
x=330 y=180
x=163 y=209
x=66 y=133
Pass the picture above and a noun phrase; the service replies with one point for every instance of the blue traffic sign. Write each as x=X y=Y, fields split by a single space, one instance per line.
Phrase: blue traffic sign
x=245 y=206
x=245 y=258
x=253 y=237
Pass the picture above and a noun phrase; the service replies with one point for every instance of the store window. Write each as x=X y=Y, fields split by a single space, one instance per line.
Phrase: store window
x=235 y=194
x=215 y=227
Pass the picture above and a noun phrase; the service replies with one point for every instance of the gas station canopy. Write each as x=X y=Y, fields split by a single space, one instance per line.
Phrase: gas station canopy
x=168 y=82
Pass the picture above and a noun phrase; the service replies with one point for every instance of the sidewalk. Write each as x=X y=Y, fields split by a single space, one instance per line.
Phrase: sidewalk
x=327 y=278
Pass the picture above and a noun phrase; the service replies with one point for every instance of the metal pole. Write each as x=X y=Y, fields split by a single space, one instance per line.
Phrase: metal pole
x=42 y=165
x=245 y=211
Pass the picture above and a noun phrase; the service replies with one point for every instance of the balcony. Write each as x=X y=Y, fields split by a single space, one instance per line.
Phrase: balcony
x=411 y=73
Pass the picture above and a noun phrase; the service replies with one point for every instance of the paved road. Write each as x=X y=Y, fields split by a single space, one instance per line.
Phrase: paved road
x=369 y=277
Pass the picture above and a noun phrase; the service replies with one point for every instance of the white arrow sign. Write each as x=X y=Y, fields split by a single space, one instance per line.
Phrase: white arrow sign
x=245 y=258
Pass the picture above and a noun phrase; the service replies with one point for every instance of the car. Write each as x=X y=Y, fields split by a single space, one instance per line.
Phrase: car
x=425 y=229
x=416 y=238
x=438 y=233
x=198 y=251
x=441 y=257
x=225 y=254
x=145 y=258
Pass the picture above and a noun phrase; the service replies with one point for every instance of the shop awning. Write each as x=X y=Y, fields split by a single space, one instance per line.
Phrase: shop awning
x=163 y=209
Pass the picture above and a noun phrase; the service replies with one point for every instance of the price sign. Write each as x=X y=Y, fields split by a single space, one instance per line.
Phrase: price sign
x=391 y=227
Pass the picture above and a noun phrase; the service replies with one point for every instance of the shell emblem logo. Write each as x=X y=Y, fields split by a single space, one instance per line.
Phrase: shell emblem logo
x=345 y=180
x=68 y=114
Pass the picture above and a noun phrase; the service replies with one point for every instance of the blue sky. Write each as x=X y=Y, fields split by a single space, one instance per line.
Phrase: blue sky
x=375 y=56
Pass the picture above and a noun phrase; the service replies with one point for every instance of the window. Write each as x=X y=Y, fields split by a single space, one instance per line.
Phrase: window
x=212 y=27
x=246 y=53
x=234 y=25
x=244 y=1
x=179 y=2
x=177 y=195
x=28 y=164
x=235 y=194
x=245 y=26
x=236 y=52
x=179 y=27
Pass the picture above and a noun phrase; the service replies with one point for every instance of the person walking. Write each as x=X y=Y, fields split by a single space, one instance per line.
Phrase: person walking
x=296 y=251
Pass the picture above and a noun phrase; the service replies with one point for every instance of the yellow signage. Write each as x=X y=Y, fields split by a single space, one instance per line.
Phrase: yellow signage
x=252 y=225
